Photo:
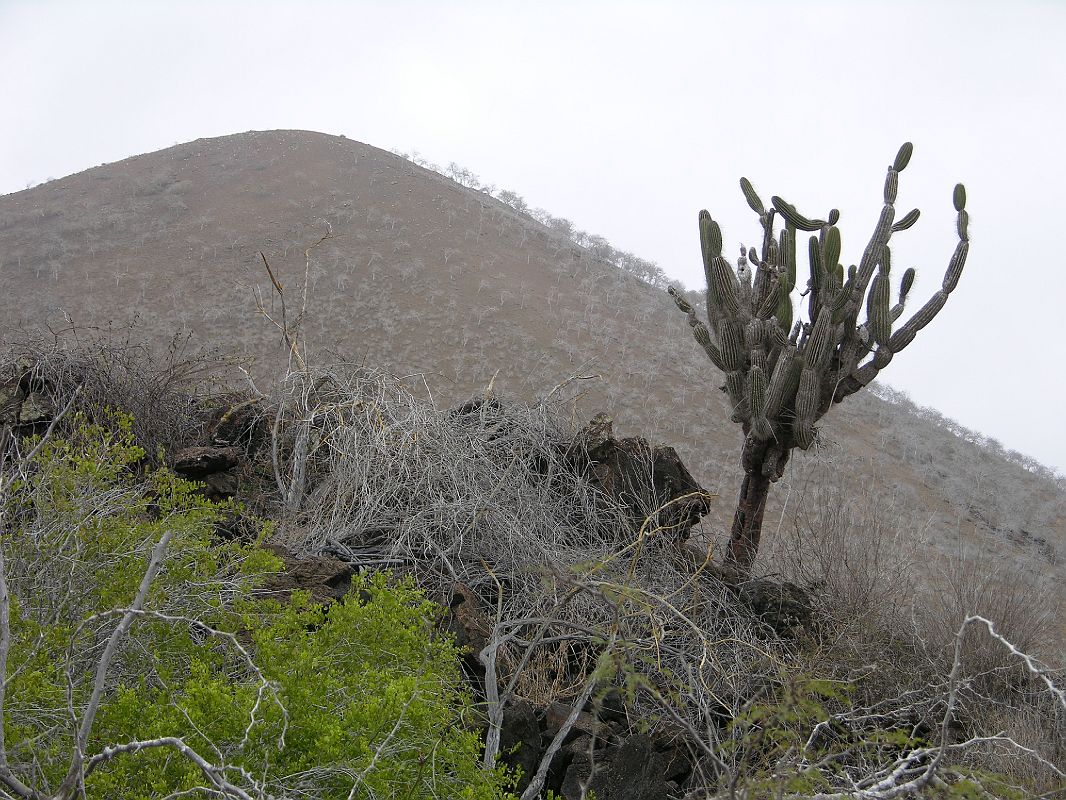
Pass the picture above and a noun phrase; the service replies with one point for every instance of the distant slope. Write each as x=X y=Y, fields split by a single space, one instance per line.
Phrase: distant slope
x=424 y=275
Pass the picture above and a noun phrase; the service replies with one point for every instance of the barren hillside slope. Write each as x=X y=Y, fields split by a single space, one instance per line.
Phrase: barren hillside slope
x=422 y=275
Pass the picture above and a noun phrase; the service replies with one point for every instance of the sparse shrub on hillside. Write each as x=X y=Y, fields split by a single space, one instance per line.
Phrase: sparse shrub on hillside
x=594 y=245
x=780 y=383
x=854 y=546
x=966 y=583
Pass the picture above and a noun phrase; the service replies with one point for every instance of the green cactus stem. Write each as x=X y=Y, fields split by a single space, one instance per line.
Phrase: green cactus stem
x=891 y=186
x=783 y=382
x=907 y=221
x=903 y=157
x=794 y=218
x=753 y=199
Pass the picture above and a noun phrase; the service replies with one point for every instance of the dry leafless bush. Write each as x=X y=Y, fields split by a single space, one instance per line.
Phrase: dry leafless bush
x=854 y=549
x=575 y=599
x=998 y=695
x=856 y=544
x=116 y=370
x=1010 y=593
x=485 y=496
x=897 y=638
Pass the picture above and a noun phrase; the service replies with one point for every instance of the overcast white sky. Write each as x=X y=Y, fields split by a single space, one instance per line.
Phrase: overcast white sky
x=628 y=118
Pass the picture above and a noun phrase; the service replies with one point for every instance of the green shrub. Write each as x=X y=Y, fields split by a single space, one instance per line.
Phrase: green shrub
x=291 y=699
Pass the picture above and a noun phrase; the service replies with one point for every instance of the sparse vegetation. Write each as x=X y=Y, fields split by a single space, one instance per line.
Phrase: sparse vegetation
x=593 y=244
x=569 y=601
x=858 y=664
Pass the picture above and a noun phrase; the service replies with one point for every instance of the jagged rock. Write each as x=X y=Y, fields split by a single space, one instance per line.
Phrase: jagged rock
x=241 y=423
x=577 y=771
x=469 y=625
x=612 y=708
x=561 y=779
x=593 y=438
x=785 y=607
x=36 y=408
x=642 y=477
x=221 y=486
x=704 y=772
x=11 y=398
x=327 y=579
x=634 y=771
x=20 y=405
x=234 y=525
x=578 y=745
x=198 y=462
x=476 y=405
x=676 y=763
x=520 y=744
x=555 y=715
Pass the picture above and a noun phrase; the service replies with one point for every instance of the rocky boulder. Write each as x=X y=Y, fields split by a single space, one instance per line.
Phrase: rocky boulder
x=328 y=579
x=24 y=396
x=635 y=770
x=213 y=466
x=644 y=478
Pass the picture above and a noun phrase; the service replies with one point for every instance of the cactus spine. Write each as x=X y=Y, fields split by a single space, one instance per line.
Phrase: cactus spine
x=781 y=384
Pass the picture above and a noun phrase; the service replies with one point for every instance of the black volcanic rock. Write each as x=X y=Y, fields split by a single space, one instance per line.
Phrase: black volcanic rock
x=196 y=463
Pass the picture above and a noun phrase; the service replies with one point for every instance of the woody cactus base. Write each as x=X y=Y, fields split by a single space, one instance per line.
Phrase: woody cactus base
x=782 y=375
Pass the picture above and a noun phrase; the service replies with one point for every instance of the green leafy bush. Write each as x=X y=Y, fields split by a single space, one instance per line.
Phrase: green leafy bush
x=213 y=685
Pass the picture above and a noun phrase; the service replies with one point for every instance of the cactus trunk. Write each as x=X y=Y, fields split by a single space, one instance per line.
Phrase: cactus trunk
x=747 y=522
x=763 y=463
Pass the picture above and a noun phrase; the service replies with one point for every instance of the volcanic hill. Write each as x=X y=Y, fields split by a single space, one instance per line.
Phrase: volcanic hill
x=418 y=274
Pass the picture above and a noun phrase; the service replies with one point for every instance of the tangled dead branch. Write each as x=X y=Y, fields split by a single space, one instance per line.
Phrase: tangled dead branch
x=577 y=600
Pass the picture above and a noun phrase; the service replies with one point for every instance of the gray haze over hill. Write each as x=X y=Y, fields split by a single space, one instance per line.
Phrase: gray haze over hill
x=626 y=118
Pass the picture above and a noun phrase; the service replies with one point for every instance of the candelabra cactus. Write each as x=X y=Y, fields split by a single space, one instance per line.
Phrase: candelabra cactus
x=782 y=376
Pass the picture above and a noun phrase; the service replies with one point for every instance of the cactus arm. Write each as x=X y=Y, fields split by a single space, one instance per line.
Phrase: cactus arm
x=725 y=287
x=807 y=398
x=756 y=395
x=904 y=290
x=784 y=381
x=793 y=217
x=744 y=276
x=684 y=305
x=907 y=221
x=714 y=311
x=786 y=278
x=735 y=386
x=871 y=256
x=814 y=256
x=771 y=304
x=899 y=340
x=766 y=272
x=772 y=261
x=875 y=258
x=699 y=330
x=754 y=203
